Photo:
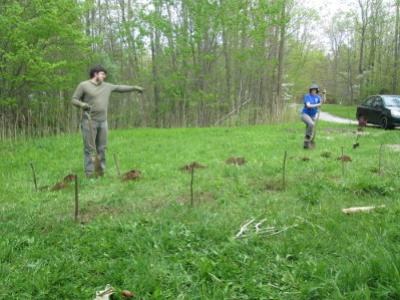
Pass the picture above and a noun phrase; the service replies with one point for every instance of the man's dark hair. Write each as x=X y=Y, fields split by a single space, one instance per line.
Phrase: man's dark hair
x=96 y=69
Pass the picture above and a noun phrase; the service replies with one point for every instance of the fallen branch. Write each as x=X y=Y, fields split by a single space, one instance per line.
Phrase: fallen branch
x=353 y=210
x=266 y=230
x=284 y=229
x=258 y=230
x=257 y=226
x=243 y=229
x=105 y=294
x=312 y=224
x=232 y=112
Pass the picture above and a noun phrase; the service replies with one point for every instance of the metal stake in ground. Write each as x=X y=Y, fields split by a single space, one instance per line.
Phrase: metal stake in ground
x=356 y=144
x=284 y=171
x=380 y=159
x=312 y=142
x=191 y=183
x=34 y=175
x=76 y=198
x=342 y=161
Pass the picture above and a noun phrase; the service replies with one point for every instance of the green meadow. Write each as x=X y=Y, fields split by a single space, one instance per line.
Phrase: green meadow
x=272 y=228
x=343 y=111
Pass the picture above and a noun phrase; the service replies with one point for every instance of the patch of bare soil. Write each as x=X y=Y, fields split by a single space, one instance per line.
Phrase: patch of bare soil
x=93 y=211
x=69 y=178
x=200 y=197
x=344 y=158
x=236 y=161
x=269 y=185
x=274 y=185
x=59 y=186
x=191 y=166
x=64 y=183
x=131 y=175
x=303 y=158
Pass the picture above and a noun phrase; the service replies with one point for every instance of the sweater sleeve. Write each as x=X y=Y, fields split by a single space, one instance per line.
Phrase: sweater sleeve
x=123 y=88
x=78 y=96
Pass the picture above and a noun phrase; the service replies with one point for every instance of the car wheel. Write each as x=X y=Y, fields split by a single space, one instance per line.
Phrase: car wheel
x=384 y=123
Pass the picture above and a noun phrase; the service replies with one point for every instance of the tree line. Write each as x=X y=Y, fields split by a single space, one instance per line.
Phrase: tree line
x=203 y=63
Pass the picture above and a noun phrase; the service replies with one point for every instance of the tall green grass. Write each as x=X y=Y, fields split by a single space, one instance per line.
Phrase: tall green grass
x=145 y=236
x=343 y=111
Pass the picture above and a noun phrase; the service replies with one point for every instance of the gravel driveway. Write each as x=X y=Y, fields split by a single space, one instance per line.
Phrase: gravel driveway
x=334 y=119
x=328 y=117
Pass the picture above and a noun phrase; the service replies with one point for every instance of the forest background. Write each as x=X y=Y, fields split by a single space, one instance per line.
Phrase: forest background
x=202 y=63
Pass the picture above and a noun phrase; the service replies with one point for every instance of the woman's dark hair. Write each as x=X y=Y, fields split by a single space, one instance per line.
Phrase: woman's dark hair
x=96 y=69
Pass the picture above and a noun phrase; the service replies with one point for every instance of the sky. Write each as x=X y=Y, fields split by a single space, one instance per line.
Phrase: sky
x=326 y=9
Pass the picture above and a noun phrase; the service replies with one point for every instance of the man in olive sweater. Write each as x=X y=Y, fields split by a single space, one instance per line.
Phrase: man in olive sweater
x=92 y=96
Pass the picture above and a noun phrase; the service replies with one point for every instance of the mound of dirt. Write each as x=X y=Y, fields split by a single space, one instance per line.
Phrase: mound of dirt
x=59 y=186
x=236 y=161
x=131 y=175
x=191 y=166
x=69 y=178
x=344 y=158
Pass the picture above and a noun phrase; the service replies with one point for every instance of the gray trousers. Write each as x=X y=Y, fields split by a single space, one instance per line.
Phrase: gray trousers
x=310 y=124
x=100 y=131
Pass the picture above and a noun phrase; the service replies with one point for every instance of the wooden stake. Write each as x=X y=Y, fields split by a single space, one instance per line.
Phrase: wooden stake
x=380 y=159
x=342 y=161
x=284 y=172
x=191 y=183
x=76 y=199
x=34 y=175
x=116 y=164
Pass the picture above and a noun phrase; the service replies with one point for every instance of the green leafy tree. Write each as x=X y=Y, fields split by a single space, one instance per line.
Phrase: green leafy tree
x=42 y=47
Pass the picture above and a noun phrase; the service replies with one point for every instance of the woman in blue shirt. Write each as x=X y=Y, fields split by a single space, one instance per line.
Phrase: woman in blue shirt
x=311 y=103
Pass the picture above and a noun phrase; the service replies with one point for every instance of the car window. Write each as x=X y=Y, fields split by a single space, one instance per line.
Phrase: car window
x=392 y=101
x=378 y=102
x=369 y=101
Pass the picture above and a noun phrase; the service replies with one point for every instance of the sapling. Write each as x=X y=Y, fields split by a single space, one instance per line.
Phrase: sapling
x=116 y=164
x=380 y=158
x=34 y=175
x=76 y=198
x=284 y=171
x=191 y=184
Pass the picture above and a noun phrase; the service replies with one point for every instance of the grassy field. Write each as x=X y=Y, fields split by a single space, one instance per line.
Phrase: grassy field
x=147 y=237
x=343 y=111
